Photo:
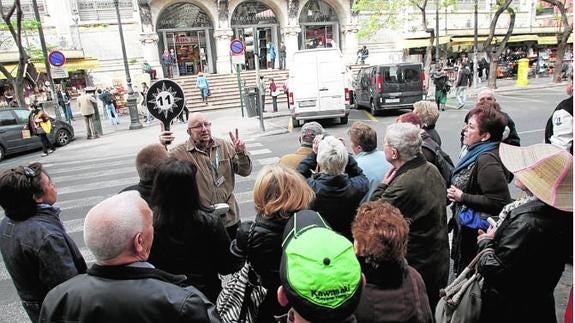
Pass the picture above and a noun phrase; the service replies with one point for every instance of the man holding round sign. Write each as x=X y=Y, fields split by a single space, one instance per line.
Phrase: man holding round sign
x=217 y=161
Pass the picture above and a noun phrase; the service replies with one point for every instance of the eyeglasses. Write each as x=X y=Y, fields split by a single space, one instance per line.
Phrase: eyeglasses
x=201 y=125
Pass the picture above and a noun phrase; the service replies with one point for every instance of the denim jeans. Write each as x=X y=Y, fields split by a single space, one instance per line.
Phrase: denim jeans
x=111 y=112
x=461 y=95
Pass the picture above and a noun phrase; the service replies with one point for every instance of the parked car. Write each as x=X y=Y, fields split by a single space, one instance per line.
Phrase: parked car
x=389 y=86
x=12 y=122
x=317 y=86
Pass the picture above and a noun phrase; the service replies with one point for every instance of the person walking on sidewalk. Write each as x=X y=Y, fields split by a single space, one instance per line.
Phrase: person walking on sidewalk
x=40 y=125
x=149 y=117
x=108 y=99
x=442 y=86
x=462 y=82
x=64 y=102
x=86 y=103
x=274 y=92
x=204 y=87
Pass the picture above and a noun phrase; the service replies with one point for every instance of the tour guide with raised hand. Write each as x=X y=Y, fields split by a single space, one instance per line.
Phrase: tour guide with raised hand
x=122 y=286
x=217 y=161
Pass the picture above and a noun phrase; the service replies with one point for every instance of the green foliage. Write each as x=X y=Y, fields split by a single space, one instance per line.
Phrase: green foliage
x=27 y=25
x=539 y=8
x=380 y=14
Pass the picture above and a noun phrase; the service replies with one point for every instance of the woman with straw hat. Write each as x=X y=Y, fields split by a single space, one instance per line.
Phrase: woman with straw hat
x=531 y=240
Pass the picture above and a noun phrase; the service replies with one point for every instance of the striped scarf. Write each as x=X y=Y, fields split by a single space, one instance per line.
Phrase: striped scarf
x=511 y=206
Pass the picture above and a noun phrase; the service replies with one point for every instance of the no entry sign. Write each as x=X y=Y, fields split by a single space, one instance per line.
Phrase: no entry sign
x=56 y=58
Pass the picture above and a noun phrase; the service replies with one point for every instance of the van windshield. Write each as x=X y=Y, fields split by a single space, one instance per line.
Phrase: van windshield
x=401 y=74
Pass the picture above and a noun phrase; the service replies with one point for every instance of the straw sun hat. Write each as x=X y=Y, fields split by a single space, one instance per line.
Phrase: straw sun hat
x=545 y=169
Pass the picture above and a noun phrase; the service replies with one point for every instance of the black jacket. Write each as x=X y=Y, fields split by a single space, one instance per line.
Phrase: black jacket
x=264 y=253
x=39 y=255
x=143 y=187
x=200 y=250
x=531 y=248
x=126 y=294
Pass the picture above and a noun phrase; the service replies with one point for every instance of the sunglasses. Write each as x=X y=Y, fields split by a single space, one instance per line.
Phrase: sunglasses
x=27 y=171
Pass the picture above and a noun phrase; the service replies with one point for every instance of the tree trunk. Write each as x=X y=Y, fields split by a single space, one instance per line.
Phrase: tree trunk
x=492 y=81
x=558 y=68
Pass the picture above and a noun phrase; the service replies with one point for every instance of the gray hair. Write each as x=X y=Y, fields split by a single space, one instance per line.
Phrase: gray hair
x=331 y=156
x=111 y=225
x=406 y=138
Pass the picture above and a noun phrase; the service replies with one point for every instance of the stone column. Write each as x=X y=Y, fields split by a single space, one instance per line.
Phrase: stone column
x=290 y=36
x=223 y=38
x=149 y=42
x=350 y=44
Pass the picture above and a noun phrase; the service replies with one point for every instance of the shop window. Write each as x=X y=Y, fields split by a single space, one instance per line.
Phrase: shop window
x=91 y=10
x=183 y=15
x=317 y=11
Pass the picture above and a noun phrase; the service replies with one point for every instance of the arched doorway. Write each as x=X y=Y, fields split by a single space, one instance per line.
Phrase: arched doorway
x=187 y=29
x=319 y=24
x=254 y=15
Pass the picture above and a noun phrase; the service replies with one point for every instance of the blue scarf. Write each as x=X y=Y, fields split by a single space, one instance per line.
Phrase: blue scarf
x=473 y=152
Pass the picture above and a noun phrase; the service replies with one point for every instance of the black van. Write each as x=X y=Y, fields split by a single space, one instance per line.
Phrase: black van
x=389 y=86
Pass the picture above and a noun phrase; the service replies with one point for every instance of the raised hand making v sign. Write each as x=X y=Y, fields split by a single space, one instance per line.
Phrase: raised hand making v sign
x=239 y=145
x=217 y=161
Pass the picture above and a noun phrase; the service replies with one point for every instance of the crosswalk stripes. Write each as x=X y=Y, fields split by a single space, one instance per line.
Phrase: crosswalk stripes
x=83 y=180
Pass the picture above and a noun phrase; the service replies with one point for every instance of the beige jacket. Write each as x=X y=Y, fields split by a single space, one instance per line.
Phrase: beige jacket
x=86 y=102
x=293 y=160
x=216 y=169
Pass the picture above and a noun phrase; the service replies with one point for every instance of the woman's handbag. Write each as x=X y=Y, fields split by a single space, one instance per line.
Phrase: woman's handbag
x=461 y=300
x=242 y=293
x=26 y=134
x=472 y=219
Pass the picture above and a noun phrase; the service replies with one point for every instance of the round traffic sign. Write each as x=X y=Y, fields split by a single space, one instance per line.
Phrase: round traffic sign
x=237 y=46
x=165 y=100
x=56 y=58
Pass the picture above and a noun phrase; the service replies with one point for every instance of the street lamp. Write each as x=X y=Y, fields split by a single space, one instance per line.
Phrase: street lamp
x=131 y=101
x=76 y=20
x=475 y=69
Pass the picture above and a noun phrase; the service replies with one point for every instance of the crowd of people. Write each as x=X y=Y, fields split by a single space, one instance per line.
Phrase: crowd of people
x=340 y=234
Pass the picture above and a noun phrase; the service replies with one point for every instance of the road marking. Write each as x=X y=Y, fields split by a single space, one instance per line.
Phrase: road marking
x=268 y=161
x=290 y=125
x=530 y=131
x=119 y=183
x=254 y=144
x=370 y=116
x=260 y=152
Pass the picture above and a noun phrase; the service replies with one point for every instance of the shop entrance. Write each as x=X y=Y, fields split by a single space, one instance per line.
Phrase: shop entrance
x=187 y=29
x=190 y=48
x=253 y=14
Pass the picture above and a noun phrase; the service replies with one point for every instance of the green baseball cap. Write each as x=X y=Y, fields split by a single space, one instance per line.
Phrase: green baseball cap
x=319 y=269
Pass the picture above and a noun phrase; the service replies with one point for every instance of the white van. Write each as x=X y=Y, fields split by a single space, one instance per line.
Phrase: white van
x=317 y=86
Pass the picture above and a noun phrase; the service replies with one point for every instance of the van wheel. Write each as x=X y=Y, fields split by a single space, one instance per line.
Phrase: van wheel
x=343 y=120
x=372 y=108
x=294 y=122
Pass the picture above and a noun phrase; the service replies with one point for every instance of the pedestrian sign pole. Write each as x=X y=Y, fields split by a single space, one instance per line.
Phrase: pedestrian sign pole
x=237 y=48
x=257 y=64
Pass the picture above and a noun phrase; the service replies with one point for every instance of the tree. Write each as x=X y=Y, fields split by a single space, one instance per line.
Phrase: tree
x=494 y=53
x=15 y=28
x=562 y=39
x=432 y=33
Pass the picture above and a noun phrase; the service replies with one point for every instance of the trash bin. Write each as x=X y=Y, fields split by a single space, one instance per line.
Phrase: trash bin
x=522 y=71
x=252 y=102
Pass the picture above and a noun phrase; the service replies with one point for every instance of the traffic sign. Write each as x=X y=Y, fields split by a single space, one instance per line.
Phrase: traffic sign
x=56 y=58
x=165 y=101
x=58 y=72
x=237 y=46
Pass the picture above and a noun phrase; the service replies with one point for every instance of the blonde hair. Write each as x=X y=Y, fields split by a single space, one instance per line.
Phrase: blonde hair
x=427 y=112
x=280 y=191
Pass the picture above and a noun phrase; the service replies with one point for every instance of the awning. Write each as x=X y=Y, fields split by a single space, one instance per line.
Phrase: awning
x=522 y=38
x=12 y=68
x=75 y=64
x=552 y=40
x=468 y=40
x=423 y=42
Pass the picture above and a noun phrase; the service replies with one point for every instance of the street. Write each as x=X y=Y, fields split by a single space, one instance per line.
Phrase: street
x=86 y=172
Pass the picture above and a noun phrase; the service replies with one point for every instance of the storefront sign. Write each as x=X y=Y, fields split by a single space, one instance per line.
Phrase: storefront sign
x=238 y=59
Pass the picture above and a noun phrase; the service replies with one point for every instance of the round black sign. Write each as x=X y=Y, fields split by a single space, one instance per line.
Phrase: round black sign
x=165 y=100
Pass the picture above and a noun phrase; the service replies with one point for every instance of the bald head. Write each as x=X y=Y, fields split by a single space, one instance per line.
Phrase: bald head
x=119 y=229
x=486 y=95
x=199 y=129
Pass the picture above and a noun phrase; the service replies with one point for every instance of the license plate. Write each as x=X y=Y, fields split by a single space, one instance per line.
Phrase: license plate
x=306 y=104
x=392 y=100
